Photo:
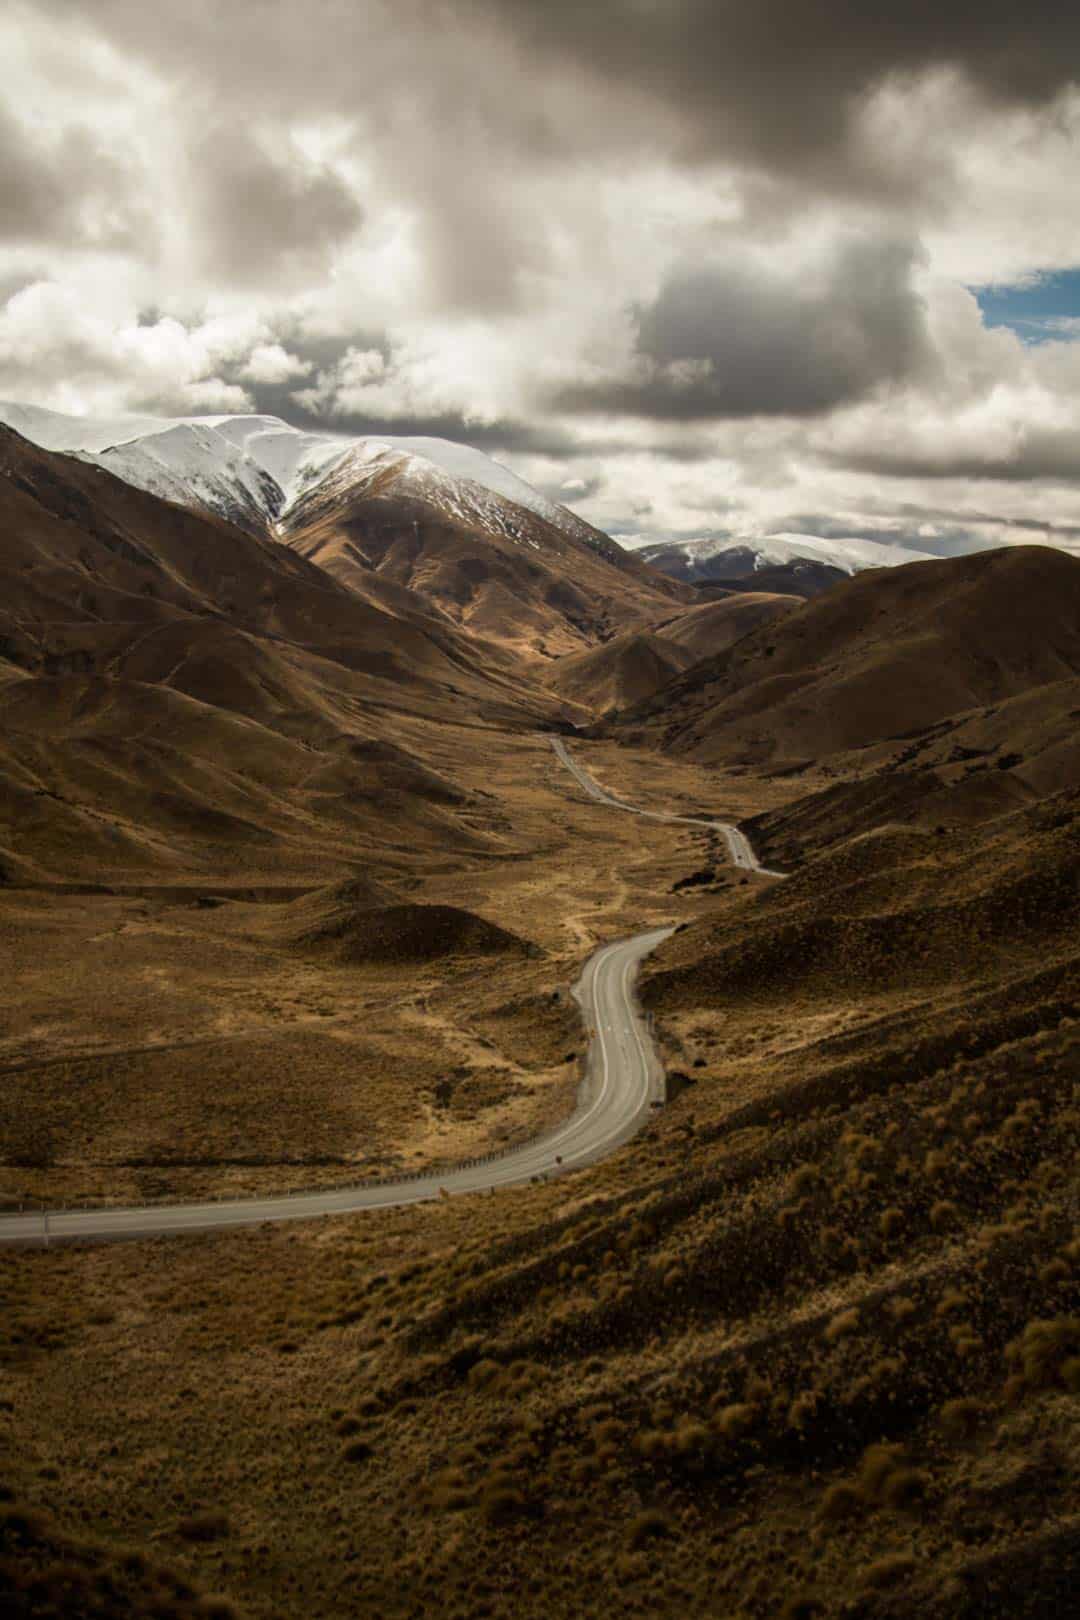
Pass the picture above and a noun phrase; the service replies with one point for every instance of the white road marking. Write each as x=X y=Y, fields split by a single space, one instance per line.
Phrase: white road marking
x=619 y=1052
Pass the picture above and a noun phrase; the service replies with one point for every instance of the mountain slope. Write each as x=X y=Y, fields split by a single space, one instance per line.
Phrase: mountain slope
x=486 y=562
x=460 y=530
x=710 y=627
x=259 y=462
x=621 y=672
x=886 y=653
x=180 y=696
x=803 y=564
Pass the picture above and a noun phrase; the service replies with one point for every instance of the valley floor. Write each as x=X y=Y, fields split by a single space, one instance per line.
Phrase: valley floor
x=173 y=1043
x=810 y=1344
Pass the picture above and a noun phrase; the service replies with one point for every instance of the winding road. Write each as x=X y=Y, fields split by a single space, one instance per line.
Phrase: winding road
x=739 y=847
x=623 y=1079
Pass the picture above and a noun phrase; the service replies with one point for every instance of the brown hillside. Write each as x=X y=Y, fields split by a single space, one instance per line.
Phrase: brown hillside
x=629 y=668
x=178 y=695
x=712 y=627
x=888 y=653
x=488 y=564
x=623 y=671
x=808 y=1346
x=342 y=923
x=966 y=769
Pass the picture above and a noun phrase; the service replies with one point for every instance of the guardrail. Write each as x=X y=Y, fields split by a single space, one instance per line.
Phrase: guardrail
x=366 y=1184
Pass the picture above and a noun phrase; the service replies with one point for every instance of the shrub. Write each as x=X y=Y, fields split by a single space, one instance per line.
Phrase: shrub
x=356 y=1451
x=1038 y=1357
x=965 y=1341
x=449 y=1491
x=652 y=1525
x=24 y=1525
x=802 y=1409
x=692 y=1439
x=1054 y=1272
x=878 y=1462
x=734 y=1421
x=891 y=1223
x=904 y=1488
x=889 y=1571
x=651 y=1444
x=840 y=1326
x=841 y=1501
x=204 y=1527
x=801 y=1606
x=960 y=1419
x=501 y=1504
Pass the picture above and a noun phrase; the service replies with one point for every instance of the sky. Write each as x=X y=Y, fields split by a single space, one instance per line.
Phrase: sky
x=695 y=267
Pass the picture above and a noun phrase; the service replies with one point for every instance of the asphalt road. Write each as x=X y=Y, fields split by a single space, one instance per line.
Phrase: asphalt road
x=739 y=847
x=623 y=1078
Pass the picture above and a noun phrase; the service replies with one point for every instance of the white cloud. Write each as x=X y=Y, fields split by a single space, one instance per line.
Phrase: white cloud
x=388 y=221
x=270 y=363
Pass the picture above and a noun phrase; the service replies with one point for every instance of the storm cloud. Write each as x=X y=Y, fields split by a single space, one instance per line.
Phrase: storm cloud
x=740 y=340
x=265 y=216
x=694 y=264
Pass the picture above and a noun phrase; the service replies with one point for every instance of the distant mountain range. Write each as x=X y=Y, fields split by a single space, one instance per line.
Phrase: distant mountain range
x=798 y=564
x=270 y=478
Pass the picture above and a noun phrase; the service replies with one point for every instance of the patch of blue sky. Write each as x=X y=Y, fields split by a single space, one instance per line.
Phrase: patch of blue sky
x=1042 y=309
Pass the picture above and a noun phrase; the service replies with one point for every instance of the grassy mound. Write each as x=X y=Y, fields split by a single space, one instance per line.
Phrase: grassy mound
x=353 y=931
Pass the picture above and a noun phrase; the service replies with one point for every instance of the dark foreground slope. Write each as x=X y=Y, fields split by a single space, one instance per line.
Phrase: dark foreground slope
x=811 y=1346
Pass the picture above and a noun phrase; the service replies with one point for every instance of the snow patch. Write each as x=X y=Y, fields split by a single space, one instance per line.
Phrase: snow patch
x=258 y=468
x=850 y=556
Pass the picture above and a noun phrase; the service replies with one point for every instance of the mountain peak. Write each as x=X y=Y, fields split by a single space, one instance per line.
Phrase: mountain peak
x=254 y=469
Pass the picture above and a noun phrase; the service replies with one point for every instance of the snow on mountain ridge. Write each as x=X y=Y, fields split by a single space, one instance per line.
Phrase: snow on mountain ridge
x=851 y=556
x=254 y=469
x=390 y=465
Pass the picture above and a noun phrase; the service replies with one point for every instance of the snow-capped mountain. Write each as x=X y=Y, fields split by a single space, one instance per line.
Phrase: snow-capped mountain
x=257 y=470
x=419 y=525
x=731 y=558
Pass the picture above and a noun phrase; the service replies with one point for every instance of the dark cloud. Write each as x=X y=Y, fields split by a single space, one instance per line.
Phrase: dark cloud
x=735 y=340
x=460 y=106
x=517 y=172
x=280 y=399
x=949 y=539
x=65 y=190
x=771 y=83
x=1050 y=455
x=265 y=216
x=780 y=84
